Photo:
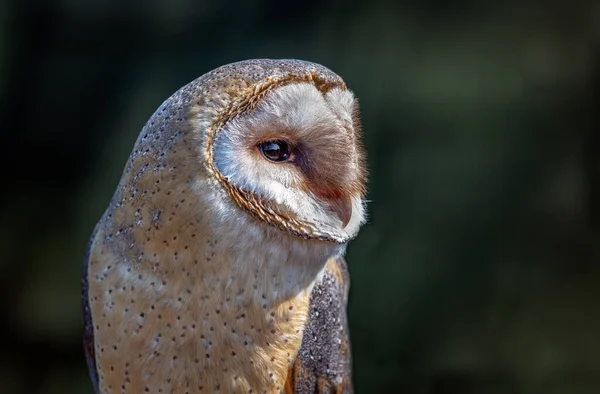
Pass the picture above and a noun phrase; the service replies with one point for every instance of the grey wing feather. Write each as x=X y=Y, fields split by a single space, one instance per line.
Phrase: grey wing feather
x=324 y=362
x=88 y=324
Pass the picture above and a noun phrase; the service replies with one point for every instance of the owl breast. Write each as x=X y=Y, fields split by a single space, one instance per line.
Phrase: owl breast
x=209 y=328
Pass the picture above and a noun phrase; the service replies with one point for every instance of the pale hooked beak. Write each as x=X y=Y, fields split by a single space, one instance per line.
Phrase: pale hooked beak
x=342 y=207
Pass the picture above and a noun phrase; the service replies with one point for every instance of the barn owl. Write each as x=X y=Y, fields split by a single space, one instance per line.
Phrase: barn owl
x=218 y=265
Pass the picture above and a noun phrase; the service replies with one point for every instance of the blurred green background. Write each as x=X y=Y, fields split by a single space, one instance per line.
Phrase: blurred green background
x=478 y=271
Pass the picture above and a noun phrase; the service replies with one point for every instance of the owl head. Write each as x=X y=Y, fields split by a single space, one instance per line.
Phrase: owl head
x=278 y=139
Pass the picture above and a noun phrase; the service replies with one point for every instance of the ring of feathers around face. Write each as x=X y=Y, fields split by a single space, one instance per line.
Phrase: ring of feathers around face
x=338 y=139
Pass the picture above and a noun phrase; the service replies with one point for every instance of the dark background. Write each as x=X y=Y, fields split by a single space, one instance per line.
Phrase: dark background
x=478 y=271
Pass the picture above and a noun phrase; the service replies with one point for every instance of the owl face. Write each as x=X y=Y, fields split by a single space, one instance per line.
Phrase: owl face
x=295 y=160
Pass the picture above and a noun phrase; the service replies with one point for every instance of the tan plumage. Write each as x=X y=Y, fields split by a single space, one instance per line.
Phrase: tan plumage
x=217 y=269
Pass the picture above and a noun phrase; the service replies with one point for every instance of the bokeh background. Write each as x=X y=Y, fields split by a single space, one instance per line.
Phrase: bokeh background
x=478 y=271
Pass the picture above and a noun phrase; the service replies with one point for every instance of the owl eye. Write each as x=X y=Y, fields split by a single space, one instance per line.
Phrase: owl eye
x=276 y=151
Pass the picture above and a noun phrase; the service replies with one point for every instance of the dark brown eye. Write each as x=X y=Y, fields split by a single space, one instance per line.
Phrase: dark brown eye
x=277 y=151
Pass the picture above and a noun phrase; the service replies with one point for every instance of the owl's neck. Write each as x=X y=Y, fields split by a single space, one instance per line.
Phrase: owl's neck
x=263 y=261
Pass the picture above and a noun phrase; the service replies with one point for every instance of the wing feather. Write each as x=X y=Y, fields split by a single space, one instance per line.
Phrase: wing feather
x=324 y=362
x=88 y=324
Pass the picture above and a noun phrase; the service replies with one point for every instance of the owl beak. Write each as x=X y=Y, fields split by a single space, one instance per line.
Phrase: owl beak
x=342 y=206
